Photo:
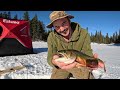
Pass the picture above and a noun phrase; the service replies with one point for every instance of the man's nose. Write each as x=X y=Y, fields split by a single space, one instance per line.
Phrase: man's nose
x=61 y=28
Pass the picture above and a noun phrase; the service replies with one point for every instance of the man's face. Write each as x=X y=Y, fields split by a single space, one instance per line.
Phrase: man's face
x=62 y=26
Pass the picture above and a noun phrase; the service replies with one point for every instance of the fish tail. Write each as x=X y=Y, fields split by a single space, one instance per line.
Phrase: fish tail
x=104 y=68
x=104 y=64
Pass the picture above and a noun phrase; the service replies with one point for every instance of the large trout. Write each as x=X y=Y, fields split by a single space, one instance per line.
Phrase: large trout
x=69 y=56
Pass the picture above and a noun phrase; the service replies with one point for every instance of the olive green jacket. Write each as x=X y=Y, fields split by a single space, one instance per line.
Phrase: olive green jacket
x=80 y=41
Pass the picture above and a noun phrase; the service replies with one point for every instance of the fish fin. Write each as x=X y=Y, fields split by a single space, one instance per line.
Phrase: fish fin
x=78 y=65
x=92 y=63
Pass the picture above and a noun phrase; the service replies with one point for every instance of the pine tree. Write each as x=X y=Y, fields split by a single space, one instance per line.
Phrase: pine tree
x=91 y=37
x=107 y=39
x=41 y=30
x=119 y=37
x=46 y=34
x=31 y=30
x=34 y=28
x=0 y=15
x=113 y=40
x=96 y=37
x=116 y=36
x=104 y=39
x=9 y=15
x=15 y=17
x=4 y=15
x=101 y=37
x=26 y=16
x=87 y=28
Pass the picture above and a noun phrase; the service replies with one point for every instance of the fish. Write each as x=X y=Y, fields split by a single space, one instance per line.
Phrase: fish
x=82 y=59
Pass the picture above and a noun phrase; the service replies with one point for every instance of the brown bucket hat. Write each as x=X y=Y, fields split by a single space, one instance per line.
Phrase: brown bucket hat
x=55 y=15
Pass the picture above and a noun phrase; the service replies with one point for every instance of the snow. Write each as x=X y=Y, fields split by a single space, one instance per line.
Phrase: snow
x=38 y=68
x=110 y=55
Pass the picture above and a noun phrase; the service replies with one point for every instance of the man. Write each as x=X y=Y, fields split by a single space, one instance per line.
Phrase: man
x=67 y=35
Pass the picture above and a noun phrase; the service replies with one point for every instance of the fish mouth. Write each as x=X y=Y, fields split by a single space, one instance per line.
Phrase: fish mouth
x=63 y=57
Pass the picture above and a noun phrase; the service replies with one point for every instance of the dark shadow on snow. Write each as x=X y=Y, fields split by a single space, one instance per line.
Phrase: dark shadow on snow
x=35 y=51
x=115 y=44
x=39 y=50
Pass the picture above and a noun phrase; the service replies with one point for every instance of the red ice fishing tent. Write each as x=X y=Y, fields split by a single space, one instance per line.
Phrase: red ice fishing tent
x=15 y=37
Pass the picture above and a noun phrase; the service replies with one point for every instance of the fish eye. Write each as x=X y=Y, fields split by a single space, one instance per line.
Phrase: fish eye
x=60 y=55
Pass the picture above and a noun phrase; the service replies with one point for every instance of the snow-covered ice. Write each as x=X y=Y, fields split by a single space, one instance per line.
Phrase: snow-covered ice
x=38 y=68
x=110 y=54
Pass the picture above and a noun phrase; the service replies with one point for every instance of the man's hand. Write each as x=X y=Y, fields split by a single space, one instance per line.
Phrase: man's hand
x=95 y=55
x=69 y=66
x=61 y=64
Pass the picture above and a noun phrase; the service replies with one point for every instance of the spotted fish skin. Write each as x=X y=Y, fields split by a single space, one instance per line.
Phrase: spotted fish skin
x=81 y=58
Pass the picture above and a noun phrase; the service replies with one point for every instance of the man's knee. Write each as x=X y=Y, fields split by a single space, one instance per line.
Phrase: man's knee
x=59 y=74
x=81 y=73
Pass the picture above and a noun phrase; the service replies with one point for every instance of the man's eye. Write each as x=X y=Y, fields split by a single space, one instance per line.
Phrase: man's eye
x=63 y=23
x=57 y=27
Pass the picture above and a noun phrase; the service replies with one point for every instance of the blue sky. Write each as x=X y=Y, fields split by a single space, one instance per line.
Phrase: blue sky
x=106 y=21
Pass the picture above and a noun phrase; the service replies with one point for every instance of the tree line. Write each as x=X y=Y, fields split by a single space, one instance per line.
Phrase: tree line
x=38 y=32
x=98 y=37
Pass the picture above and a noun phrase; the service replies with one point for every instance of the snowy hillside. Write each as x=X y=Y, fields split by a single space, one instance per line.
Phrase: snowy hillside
x=38 y=68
